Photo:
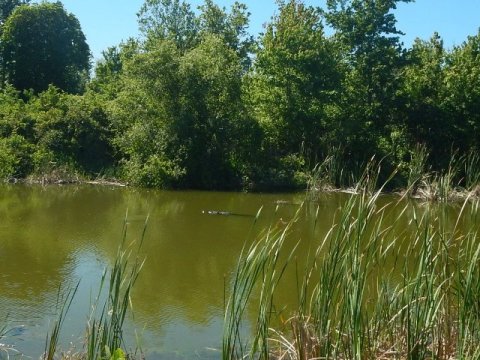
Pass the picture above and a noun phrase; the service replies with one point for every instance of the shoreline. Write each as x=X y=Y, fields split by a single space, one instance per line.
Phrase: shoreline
x=45 y=180
x=426 y=193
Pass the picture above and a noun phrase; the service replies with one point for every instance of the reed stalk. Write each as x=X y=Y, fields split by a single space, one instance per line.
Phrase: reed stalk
x=104 y=335
x=416 y=167
x=472 y=170
x=258 y=264
x=53 y=338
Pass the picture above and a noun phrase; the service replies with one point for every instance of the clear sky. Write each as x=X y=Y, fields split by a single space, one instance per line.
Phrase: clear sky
x=108 y=22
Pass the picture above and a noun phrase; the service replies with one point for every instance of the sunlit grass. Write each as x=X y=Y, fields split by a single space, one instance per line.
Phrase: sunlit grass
x=353 y=303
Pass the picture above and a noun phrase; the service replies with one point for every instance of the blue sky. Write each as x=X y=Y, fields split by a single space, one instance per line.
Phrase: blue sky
x=107 y=22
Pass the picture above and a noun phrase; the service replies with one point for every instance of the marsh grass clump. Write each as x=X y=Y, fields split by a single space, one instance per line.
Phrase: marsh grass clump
x=6 y=348
x=444 y=186
x=471 y=165
x=104 y=330
x=415 y=178
x=104 y=334
x=460 y=180
x=374 y=289
x=329 y=174
x=416 y=167
x=63 y=305
x=259 y=268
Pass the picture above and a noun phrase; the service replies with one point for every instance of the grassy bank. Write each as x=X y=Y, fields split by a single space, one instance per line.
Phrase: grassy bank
x=414 y=178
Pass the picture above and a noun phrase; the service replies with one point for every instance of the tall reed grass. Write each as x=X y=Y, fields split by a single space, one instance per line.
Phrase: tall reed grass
x=105 y=325
x=471 y=165
x=63 y=304
x=461 y=179
x=258 y=267
x=417 y=167
x=104 y=331
x=373 y=290
x=329 y=173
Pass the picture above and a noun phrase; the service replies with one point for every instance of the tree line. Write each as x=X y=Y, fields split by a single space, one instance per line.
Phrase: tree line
x=198 y=102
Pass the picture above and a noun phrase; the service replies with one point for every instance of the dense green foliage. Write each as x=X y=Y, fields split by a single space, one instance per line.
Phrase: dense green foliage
x=51 y=131
x=7 y=7
x=197 y=102
x=42 y=45
x=292 y=89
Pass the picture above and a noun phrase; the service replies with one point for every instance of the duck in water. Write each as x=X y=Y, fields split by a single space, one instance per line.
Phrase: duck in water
x=215 y=212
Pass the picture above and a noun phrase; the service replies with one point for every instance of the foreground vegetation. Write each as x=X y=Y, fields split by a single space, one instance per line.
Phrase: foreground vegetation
x=197 y=102
x=203 y=104
x=372 y=290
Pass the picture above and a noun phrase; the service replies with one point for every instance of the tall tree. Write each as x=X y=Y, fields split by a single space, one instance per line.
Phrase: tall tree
x=423 y=92
x=214 y=128
x=108 y=70
x=169 y=20
x=143 y=114
x=230 y=27
x=7 y=7
x=294 y=80
x=42 y=44
x=462 y=96
x=176 y=21
x=180 y=119
x=368 y=41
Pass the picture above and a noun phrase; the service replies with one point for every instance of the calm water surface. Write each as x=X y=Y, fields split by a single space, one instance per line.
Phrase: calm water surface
x=52 y=237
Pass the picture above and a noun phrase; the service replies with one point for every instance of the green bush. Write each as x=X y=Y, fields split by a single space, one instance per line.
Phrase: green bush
x=154 y=172
x=72 y=130
x=15 y=158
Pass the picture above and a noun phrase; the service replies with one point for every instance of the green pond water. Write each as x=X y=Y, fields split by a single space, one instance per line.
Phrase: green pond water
x=52 y=237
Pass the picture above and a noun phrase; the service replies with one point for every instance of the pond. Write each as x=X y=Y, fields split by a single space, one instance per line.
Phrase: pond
x=52 y=237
